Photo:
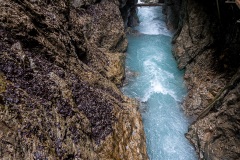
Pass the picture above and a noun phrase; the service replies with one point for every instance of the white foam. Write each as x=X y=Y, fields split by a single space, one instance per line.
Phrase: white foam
x=156 y=87
x=158 y=80
x=169 y=144
x=151 y=23
x=151 y=67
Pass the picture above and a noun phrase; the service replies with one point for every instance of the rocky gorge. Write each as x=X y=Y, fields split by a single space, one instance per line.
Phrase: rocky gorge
x=61 y=63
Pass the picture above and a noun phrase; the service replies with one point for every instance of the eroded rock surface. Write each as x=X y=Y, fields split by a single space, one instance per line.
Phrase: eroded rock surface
x=216 y=132
x=59 y=61
x=206 y=45
x=172 y=10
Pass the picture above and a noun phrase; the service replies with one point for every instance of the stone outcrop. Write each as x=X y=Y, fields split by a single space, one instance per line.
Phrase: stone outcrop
x=129 y=14
x=60 y=62
x=215 y=134
x=206 y=45
x=172 y=9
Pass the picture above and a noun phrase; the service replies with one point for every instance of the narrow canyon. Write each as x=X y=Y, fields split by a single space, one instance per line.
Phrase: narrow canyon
x=62 y=69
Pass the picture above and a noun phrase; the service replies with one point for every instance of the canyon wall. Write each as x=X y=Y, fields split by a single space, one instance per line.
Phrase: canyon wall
x=172 y=10
x=207 y=45
x=60 y=63
x=129 y=14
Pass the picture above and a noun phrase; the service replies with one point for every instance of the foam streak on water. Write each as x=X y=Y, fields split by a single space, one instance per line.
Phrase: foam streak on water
x=159 y=85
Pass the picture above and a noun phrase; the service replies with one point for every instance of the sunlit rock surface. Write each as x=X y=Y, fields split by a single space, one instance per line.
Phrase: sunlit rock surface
x=59 y=61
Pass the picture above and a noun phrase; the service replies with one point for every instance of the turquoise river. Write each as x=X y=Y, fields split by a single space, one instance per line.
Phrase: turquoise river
x=157 y=83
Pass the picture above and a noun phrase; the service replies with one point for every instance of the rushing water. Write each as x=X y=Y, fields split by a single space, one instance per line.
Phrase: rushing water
x=159 y=86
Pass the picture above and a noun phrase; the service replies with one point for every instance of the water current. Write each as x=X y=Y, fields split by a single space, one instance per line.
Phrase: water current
x=158 y=85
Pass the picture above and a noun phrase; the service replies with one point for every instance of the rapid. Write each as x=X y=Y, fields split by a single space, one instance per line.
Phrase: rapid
x=154 y=79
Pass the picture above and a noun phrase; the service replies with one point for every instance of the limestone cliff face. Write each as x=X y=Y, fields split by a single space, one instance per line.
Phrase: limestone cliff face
x=60 y=62
x=207 y=45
